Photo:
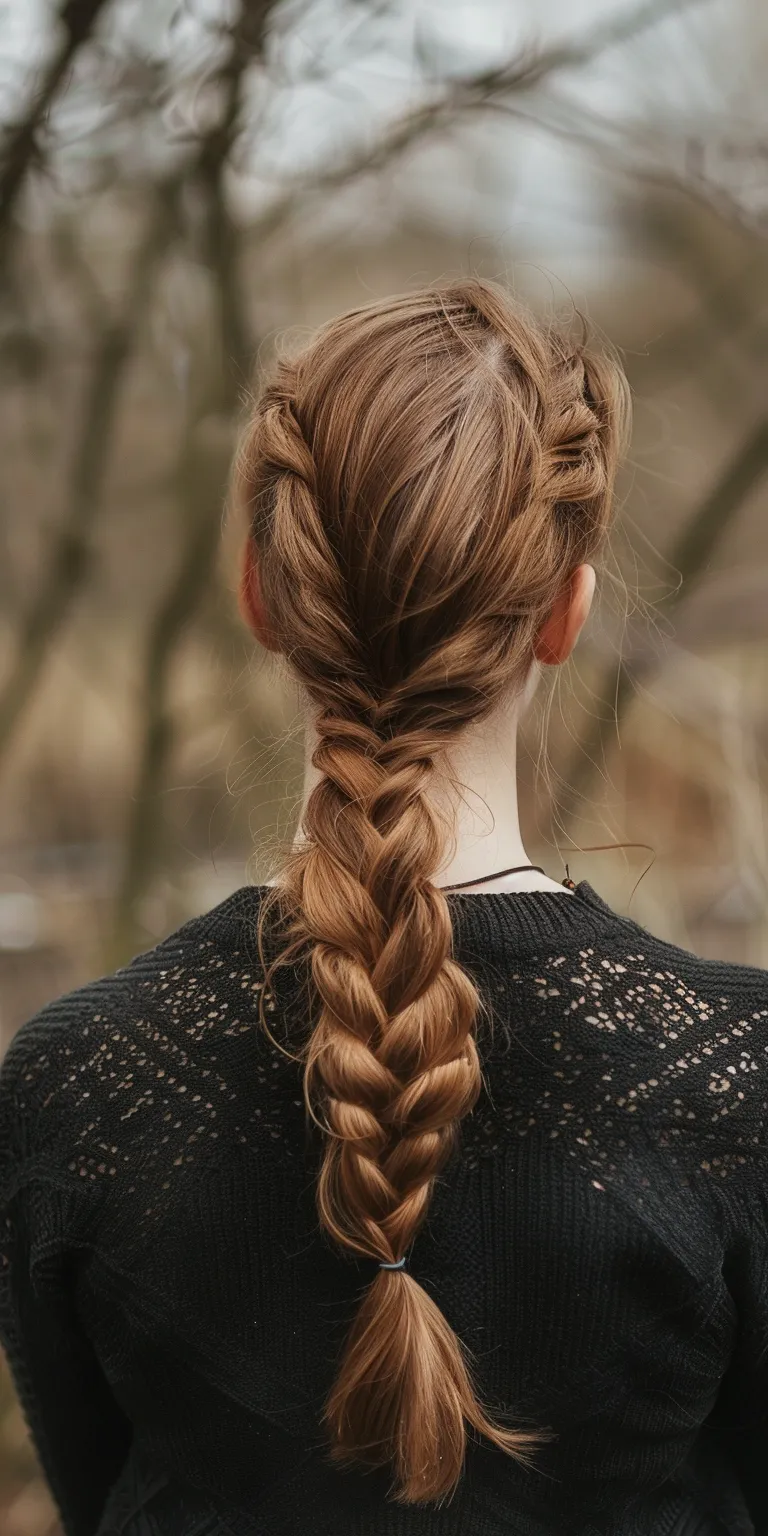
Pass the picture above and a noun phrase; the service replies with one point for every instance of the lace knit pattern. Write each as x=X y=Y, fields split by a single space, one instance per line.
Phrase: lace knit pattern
x=599 y=1238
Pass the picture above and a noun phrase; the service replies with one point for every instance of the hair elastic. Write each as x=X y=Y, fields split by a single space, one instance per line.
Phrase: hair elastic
x=398 y=1265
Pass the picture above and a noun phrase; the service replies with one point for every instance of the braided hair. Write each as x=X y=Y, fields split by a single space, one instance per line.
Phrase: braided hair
x=420 y=482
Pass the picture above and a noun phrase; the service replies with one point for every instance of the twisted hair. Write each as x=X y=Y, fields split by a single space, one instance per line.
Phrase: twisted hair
x=420 y=483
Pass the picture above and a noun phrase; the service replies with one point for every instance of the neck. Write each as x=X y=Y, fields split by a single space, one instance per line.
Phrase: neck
x=481 y=805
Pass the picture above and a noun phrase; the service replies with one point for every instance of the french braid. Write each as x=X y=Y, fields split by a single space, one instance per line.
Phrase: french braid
x=420 y=482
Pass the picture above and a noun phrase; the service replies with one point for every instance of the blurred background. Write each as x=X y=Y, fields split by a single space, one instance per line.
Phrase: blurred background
x=185 y=187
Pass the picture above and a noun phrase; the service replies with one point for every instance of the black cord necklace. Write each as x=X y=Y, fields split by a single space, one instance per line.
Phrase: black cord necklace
x=517 y=869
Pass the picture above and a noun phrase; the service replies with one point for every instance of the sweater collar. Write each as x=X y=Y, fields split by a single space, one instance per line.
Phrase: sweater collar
x=526 y=922
x=494 y=924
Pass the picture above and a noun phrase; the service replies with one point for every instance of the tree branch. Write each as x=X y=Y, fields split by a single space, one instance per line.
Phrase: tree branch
x=462 y=97
x=201 y=476
x=19 y=149
x=68 y=561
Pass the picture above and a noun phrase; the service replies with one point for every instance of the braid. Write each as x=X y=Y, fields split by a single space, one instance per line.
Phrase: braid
x=408 y=548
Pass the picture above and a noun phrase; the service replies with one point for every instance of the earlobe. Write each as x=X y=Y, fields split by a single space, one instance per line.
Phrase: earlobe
x=543 y=651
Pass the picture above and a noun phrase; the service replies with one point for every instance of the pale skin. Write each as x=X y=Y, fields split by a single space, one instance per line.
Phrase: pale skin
x=485 y=817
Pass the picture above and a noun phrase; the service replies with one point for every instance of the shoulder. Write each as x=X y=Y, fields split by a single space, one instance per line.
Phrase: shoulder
x=688 y=1068
x=708 y=1020
x=705 y=1020
x=631 y=1042
x=109 y=1035
x=666 y=974
x=672 y=977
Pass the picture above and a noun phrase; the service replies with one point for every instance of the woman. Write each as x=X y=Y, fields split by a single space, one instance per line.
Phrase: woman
x=509 y=1274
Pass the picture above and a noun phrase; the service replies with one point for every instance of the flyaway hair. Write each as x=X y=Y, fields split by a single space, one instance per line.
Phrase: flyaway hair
x=420 y=482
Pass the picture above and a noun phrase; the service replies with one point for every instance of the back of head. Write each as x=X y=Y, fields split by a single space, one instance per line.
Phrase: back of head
x=420 y=482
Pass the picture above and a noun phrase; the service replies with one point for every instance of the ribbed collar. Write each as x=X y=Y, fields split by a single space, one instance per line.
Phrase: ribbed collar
x=495 y=923
x=525 y=922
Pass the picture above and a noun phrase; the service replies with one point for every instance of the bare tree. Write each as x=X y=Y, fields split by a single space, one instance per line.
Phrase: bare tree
x=68 y=560
x=200 y=483
x=20 y=146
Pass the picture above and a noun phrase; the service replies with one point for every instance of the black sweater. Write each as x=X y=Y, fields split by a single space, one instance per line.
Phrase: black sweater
x=172 y=1315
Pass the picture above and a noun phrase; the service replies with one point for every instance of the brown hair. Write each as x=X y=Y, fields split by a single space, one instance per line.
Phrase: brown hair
x=420 y=481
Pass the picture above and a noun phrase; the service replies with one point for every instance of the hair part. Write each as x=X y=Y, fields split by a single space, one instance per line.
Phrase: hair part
x=420 y=481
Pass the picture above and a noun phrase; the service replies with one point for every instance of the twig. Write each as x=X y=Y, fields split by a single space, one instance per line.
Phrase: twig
x=574 y=124
x=475 y=92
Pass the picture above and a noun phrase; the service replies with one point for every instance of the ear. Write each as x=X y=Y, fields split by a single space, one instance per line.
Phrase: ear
x=249 y=598
x=559 y=633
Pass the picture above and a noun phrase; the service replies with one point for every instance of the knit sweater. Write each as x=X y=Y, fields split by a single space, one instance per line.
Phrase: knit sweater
x=173 y=1314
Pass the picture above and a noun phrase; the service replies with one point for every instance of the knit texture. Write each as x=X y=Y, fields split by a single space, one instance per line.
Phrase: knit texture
x=173 y=1315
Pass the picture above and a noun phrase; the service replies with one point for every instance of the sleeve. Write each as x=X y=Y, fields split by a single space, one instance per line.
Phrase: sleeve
x=738 y=1423
x=78 y=1430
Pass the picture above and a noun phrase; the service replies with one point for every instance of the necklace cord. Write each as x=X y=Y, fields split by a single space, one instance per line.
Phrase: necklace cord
x=568 y=882
x=517 y=869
